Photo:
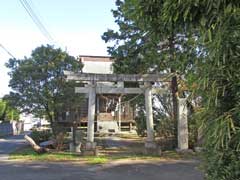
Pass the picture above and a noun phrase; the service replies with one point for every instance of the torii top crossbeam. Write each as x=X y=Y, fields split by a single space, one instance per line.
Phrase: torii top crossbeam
x=118 y=77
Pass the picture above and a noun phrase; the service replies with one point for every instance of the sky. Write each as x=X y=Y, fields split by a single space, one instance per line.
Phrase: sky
x=75 y=25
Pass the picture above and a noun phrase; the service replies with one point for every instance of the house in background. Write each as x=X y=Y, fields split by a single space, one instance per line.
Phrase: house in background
x=31 y=121
x=107 y=113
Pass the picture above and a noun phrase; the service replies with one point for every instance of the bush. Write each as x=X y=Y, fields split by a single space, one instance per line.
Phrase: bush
x=222 y=165
x=165 y=127
x=141 y=124
x=40 y=136
x=193 y=129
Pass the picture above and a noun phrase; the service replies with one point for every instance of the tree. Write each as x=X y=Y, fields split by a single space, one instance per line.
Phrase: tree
x=38 y=82
x=146 y=44
x=217 y=75
x=203 y=46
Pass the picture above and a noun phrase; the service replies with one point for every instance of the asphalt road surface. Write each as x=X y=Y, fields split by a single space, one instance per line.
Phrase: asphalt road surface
x=10 y=144
x=129 y=171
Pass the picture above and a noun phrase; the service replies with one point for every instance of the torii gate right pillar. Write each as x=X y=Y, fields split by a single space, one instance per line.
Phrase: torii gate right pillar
x=182 y=125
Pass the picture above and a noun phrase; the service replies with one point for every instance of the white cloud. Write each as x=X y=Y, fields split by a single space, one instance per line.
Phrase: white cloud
x=84 y=43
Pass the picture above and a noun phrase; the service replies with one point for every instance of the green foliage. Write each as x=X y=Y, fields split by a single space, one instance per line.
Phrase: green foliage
x=141 y=124
x=29 y=154
x=193 y=130
x=222 y=165
x=3 y=107
x=41 y=136
x=39 y=85
x=133 y=49
x=163 y=119
x=217 y=75
x=8 y=112
x=165 y=127
x=12 y=114
x=144 y=43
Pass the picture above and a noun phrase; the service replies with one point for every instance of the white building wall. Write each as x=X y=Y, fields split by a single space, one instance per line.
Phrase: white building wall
x=29 y=121
x=97 y=67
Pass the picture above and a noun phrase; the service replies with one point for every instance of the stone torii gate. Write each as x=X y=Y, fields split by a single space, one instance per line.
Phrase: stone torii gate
x=93 y=88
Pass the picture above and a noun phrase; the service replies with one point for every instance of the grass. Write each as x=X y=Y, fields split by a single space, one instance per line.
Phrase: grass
x=27 y=154
x=97 y=160
x=132 y=149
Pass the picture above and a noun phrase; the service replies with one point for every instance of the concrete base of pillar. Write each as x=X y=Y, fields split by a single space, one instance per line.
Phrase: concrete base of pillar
x=90 y=149
x=88 y=152
x=184 y=151
x=151 y=144
x=91 y=145
x=75 y=147
x=152 y=148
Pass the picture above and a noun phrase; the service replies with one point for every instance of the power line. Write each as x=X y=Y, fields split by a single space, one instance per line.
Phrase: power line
x=7 y=51
x=36 y=20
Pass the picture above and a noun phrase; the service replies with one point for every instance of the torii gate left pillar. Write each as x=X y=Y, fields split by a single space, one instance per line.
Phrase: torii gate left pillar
x=151 y=146
x=91 y=116
x=149 y=113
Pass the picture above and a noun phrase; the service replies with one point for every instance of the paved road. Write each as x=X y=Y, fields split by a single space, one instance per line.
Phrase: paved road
x=133 y=171
x=10 y=144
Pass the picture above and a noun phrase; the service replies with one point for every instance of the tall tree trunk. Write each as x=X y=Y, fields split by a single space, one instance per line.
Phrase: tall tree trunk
x=174 y=84
x=51 y=118
x=36 y=147
x=174 y=89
